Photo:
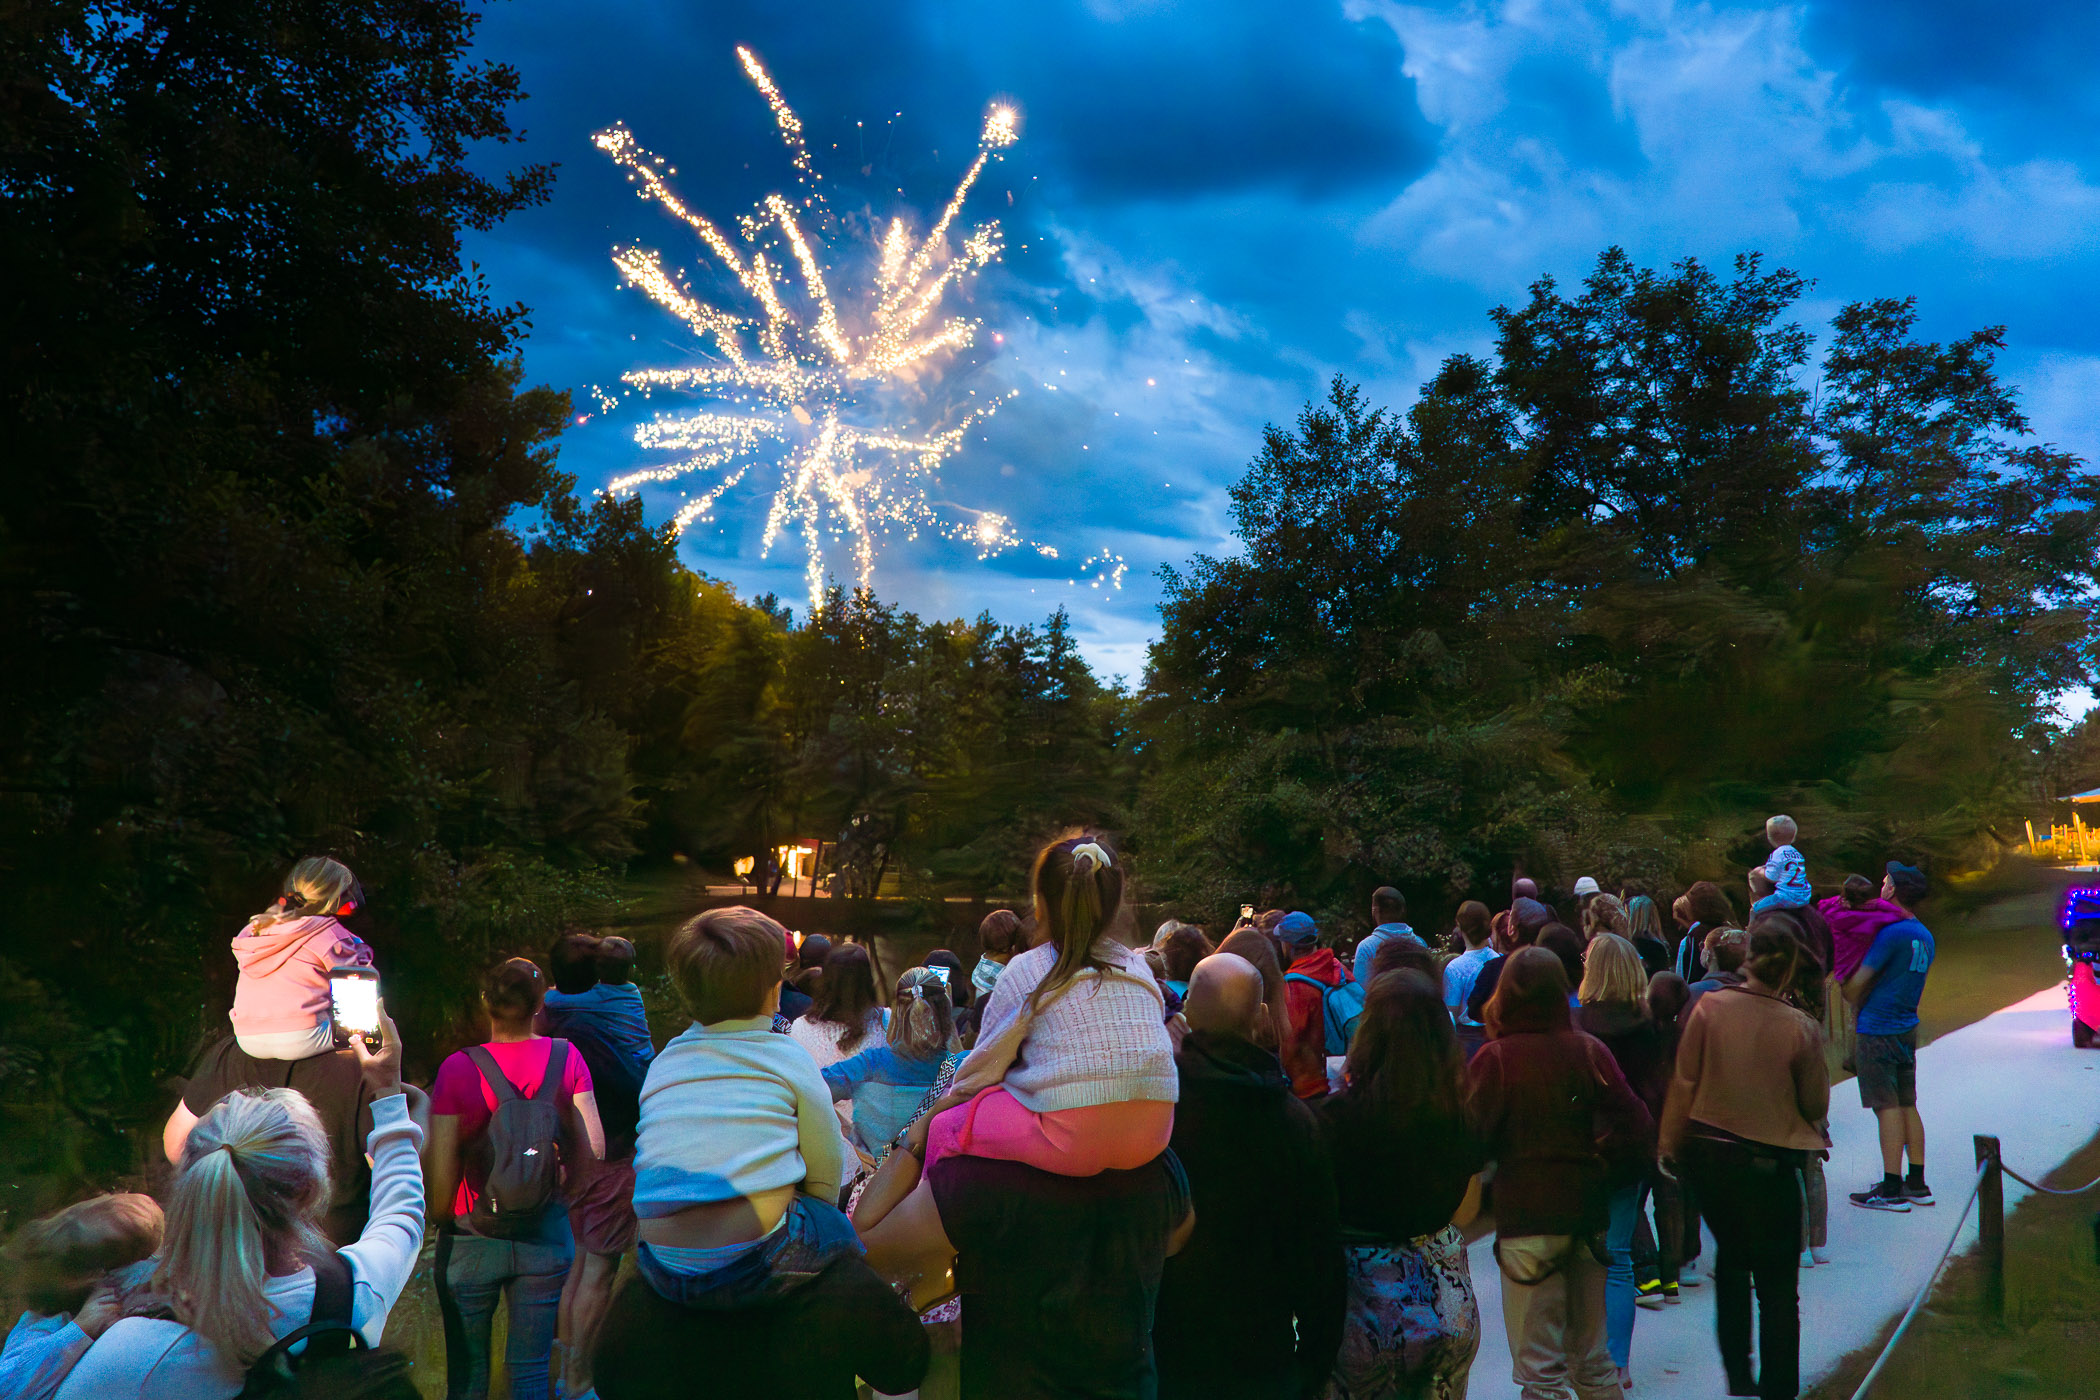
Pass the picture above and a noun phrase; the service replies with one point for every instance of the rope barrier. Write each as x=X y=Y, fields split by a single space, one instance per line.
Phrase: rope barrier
x=2050 y=1190
x=1917 y=1303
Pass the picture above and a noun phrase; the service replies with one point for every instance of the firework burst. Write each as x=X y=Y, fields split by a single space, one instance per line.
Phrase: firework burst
x=802 y=384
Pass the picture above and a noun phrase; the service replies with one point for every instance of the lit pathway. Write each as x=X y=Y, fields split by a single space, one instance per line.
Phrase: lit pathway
x=2013 y=1074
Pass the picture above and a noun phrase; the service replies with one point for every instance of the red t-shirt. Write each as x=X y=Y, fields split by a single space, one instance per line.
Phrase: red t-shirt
x=461 y=1092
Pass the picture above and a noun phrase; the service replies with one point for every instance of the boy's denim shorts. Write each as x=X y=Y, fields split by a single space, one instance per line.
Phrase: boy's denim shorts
x=814 y=1235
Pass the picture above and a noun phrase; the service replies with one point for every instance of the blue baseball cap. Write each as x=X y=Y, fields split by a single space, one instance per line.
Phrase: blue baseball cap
x=1297 y=928
x=1908 y=880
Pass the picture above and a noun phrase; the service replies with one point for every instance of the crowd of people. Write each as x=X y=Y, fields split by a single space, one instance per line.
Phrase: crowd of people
x=1094 y=1164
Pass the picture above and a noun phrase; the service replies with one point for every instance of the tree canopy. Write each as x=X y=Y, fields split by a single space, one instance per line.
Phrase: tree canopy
x=1602 y=601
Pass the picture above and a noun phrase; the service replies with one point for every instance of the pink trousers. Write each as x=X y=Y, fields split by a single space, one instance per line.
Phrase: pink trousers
x=1068 y=1142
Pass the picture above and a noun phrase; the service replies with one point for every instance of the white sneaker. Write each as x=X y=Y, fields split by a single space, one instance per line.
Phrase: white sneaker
x=1822 y=1256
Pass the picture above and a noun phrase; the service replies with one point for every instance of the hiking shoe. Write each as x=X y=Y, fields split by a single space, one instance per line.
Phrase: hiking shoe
x=1917 y=1193
x=1882 y=1196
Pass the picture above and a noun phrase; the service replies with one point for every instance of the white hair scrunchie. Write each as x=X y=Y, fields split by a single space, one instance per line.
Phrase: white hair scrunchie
x=1092 y=851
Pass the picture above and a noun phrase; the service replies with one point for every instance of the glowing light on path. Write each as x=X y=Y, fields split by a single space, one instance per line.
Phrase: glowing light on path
x=836 y=395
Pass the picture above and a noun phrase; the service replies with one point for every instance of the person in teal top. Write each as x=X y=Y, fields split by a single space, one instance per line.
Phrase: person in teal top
x=1886 y=987
x=886 y=1082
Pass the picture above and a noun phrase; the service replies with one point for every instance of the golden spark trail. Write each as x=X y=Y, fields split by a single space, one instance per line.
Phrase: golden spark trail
x=805 y=382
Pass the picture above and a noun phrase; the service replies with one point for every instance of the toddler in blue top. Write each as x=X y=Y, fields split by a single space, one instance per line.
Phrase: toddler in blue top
x=887 y=1082
x=1786 y=868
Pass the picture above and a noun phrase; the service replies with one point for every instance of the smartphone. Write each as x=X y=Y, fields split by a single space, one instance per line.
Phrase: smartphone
x=1247 y=911
x=353 y=992
x=940 y=972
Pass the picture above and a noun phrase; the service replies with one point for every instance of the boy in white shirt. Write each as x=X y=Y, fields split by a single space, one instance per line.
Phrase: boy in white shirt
x=738 y=1156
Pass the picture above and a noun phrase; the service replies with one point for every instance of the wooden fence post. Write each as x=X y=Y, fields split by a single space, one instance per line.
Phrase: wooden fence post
x=1990 y=1226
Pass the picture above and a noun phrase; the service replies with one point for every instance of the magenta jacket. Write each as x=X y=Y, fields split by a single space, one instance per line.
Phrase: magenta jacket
x=1852 y=930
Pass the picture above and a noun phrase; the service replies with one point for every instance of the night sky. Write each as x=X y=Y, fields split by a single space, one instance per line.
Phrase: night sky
x=1215 y=207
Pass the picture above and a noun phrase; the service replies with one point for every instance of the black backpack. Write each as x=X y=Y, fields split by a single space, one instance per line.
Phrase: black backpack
x=337 y=1364
x=521 y=1149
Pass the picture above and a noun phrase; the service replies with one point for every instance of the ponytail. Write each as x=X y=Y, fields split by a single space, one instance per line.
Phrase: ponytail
x=922 y=1018
x=1774 y=957
x=1078 y=891
x=317 y=885
x=254 y=1174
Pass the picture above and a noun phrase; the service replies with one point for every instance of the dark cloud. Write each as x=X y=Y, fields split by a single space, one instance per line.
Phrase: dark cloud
x=2024 y=69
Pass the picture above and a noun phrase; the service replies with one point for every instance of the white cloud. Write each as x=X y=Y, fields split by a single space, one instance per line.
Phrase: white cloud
x=1743 y=138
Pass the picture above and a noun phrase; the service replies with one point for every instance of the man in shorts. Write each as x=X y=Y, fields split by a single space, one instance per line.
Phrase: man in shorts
x=1886 y=987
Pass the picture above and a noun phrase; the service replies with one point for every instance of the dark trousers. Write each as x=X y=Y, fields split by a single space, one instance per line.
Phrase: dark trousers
x=1751 y=1195
x=1657 y=1252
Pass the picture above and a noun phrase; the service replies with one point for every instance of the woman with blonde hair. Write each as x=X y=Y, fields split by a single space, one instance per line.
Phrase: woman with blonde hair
x=1614 y=997
x=1644 y=929
x=243 y=1264
x=282 y=1009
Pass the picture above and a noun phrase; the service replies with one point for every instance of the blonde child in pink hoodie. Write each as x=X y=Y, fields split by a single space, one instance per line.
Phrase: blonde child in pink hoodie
x=281 y=1004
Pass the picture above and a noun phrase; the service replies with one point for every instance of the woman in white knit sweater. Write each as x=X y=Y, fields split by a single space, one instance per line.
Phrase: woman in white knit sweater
x=1073 y=1044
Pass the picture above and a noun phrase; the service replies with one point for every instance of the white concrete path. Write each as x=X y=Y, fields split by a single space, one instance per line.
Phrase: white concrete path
x=2013 y=1074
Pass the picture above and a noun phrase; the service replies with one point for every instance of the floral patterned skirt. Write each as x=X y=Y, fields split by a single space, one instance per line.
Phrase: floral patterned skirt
x=1412 y=1323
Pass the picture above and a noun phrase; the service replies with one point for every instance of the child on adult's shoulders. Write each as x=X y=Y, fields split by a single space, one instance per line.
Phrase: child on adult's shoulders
x=283 y=1007
x=1786 y=868
x=739 y=1158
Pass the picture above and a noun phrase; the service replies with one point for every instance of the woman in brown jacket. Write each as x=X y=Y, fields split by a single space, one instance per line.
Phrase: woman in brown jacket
x=1749 y=1088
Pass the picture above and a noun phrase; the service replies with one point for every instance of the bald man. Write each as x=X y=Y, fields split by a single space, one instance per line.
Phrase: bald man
x=1225 y=996
x=1253 y=1306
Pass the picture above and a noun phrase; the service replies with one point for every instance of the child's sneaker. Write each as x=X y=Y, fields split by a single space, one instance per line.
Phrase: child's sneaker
x=1916 y=1191
x=1882 y=1196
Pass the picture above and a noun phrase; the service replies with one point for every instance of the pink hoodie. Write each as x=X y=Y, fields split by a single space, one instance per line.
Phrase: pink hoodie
x=1852 y=930
x=284 y=973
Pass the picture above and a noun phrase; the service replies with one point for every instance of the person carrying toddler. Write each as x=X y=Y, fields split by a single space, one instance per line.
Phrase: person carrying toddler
x=1786 y=868
x=1073 y=1072
x=739 y=1157
x=59 y=1270
x=282 y=1008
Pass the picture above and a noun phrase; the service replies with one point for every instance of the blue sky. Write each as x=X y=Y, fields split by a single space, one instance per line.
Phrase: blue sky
x=1216 y=206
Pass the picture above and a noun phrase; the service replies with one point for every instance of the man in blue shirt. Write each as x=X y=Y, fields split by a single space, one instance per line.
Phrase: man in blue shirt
x=1886 y=987
x=1389 y=912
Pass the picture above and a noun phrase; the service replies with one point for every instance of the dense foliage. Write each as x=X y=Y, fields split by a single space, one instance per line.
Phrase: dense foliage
x=286 y=566
x=1605 y=600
